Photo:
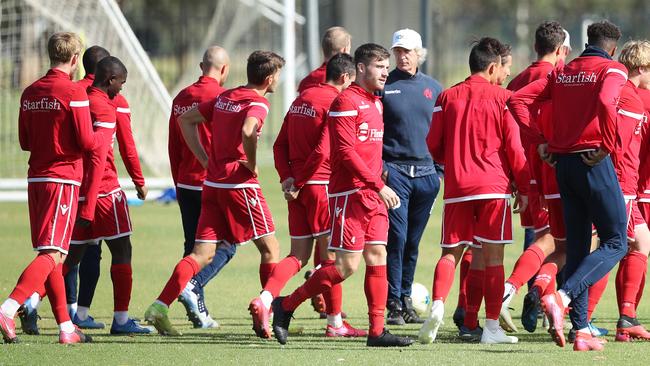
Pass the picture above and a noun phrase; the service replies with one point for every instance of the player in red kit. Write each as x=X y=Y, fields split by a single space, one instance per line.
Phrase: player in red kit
x=233 y=209
x=583 y=96
x=188 y=175
x=103 y=212
x=335 y=40
x=304 y=173
x=54 y=126
x=631 y=127
x=358 y=200
x=474 y=136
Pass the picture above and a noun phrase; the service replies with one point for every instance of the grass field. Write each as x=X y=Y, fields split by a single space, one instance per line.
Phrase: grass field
x=157 y=246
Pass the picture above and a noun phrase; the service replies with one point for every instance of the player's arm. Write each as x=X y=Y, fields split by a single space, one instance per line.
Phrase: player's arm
x=173 y=147
x=516 y=160
x=249 y=143
x=81 y=121
x=524 y=102
x=435 y=139
x=188 y=123
x=607 y=101
x=95 y=162
x=128 y=151
x=23 y=131
x=281 y=155
x=317 y=157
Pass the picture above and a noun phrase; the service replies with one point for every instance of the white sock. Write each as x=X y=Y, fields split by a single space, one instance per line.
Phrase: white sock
x=9 y=308
x=492 y=325
x=82 y=312
x=436 y=304
x=161 y=303
x=267 y=299
x=566 y=300
x=335 y=321
x=121 y=317
x=585 y=330
x=72 y=307
x=509 y=292
x=67 y=327
x=34 y=300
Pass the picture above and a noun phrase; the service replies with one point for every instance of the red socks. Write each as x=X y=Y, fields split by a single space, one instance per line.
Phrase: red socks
x=527 y=265
x=465 y=261
x=493 y=290
x=122 y=277
x=33 y=278
x=183 y=273
x=55 y=288
x=282 y=273
x=595 y=293
x=546 y=278
x=334 y=297
x=266 y=269
x=475 y=283
x=321 y=281
x=443 y=278
x=376 y=289
x=628 y=281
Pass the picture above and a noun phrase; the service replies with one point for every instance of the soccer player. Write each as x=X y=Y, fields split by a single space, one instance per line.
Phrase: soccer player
x=233 y=208
x=358 y=200
x=474 y=136
x=583 y=97
x=631 y=128
x=188 y=175
x=103 y=212
x=335 y=40
x=304 y=174
x=408 y=169
x=549 y=46
x=54 y=126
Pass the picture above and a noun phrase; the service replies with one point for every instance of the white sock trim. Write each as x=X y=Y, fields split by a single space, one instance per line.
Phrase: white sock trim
x=566 y=300
x=10 y=307
x=267 y=299
x=121 y=317
x=67 y=327
x=335 y=321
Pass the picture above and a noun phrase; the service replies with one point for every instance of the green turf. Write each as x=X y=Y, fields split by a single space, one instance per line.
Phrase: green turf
x=157 y=243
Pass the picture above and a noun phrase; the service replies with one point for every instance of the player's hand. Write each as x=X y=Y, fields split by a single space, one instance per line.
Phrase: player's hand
x=542 y=150
x=81 y=222
x=384 y=175
x=389 y=197
x=291 y=194
x=250 y=166
x=592 y=158
x=142 y=192
x=287 y=184
x=521 y=203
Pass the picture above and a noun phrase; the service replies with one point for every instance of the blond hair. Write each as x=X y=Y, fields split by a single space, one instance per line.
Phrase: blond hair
x=62 y=46
x=635 y=54
x=334 y=40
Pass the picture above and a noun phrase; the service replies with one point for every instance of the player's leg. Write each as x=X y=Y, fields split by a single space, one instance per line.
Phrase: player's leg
x=459 y=313
x=189 y=203
x=469 y=330
x=70 y=281
x=89 y=271
x=422 y=199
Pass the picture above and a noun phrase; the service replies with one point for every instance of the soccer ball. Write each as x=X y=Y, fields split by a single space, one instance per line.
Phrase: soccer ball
x=421 y=298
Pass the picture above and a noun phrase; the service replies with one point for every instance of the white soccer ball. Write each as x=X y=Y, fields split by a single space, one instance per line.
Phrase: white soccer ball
x=421 y=298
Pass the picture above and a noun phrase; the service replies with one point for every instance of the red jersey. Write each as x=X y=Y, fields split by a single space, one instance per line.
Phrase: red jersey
x=474 y=136
x=584 y=95
x=629 y=126
x=301 y=131
x=314 y=78
x=644 y=168
x=187 y=172
x=99 y=179
x=54 y=126
x=356 y=128
x=125 y=142
x=226 y=114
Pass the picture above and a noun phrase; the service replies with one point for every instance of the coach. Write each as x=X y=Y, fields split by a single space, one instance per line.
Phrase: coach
x=409 y=97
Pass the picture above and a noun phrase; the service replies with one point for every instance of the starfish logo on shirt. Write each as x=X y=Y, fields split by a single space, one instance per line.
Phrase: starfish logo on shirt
x=253 y=202
x=227 y=106
x=577 y=79
x=428 y=93
x=42 y=104
x=364 y=133
x=64 y=209
x=180 y=109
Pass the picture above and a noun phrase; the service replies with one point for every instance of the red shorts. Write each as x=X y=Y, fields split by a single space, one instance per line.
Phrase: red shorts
x=309 y=214
x=112 y=220
x=469 y=222
x=359 y=218
x=52 y=212
x=233 y=215
x=644 y=208
x=634 y=218
x=556 y=218
x=535 y=217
